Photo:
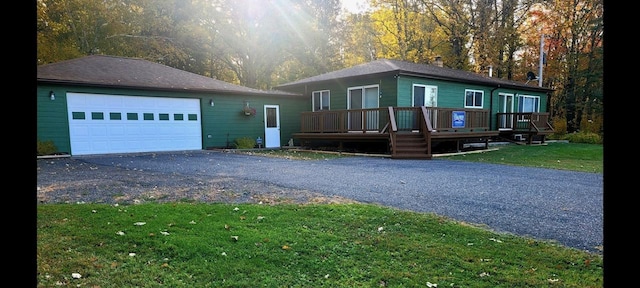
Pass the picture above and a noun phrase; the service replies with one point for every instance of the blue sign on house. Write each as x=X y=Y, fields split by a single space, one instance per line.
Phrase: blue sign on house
x=457 y=119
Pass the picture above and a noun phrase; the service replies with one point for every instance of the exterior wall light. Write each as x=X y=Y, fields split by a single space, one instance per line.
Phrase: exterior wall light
x=52 y=95
x=211 y=103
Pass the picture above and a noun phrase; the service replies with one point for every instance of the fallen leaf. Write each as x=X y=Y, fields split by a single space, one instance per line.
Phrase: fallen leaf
x=285 y=247
x=139 y=223
x=76 y=275
x=234 y=238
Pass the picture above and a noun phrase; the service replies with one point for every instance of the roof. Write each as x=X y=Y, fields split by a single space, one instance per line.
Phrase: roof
x=122 y=72
x=413 y=69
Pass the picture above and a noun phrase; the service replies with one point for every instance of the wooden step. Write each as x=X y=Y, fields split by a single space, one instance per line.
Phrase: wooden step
x=411 y=156
x=410 y=146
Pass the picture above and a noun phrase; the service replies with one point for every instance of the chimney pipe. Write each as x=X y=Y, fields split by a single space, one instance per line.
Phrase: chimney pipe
x=438 y=61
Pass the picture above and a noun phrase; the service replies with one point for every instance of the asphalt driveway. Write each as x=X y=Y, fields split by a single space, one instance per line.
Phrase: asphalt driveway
x=561 y=206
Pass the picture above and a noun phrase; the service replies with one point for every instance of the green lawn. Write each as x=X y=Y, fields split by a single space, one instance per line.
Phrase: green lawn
x=554 y=155
x=250 y=245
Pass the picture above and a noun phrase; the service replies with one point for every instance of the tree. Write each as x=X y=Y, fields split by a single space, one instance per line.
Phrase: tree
x=573 y=32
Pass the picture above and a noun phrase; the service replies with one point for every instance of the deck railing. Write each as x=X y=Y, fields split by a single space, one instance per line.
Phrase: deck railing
x=406 y=119
x=528 y=122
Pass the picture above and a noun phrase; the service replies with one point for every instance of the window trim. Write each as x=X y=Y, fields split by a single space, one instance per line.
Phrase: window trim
x=424 y=96
x=319 y=93
x=474 y=98
x=363 y=88
x=522 y=97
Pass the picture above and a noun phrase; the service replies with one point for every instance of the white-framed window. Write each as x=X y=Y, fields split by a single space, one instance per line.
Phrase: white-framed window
x=424 y=95
x=527 y=103
x=320 y=100
x=473 y=98
x=363 y=97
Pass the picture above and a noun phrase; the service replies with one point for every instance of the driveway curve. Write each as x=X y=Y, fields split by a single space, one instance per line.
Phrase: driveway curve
x=565 y=207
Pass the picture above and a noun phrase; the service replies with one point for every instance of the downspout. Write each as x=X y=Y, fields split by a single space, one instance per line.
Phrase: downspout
x=549 y=104
x=491 y=107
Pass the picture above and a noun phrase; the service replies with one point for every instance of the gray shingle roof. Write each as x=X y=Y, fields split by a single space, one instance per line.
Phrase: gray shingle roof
x=409 y=68
x=122 y=72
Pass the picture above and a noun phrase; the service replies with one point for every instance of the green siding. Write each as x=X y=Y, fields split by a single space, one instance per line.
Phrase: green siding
x=225 y=121
x=52 y=123
x=338 y=91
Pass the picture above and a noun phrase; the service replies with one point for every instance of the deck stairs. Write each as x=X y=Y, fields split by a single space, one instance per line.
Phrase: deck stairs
x=410 y=145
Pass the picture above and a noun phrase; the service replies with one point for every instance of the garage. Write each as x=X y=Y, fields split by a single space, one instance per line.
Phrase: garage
x=102 y=124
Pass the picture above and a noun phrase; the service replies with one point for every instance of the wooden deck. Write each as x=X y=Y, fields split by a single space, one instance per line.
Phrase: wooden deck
x=524 y=126
x=409 y=132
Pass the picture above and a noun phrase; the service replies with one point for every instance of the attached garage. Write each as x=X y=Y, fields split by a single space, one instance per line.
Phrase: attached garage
x=101 y=104
x=100 y=124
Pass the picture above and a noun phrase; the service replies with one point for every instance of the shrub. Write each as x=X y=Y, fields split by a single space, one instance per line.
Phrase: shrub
x=584 y=137
x=245 y=143
x=592 y=124
x=559 y=128
x=46 y=148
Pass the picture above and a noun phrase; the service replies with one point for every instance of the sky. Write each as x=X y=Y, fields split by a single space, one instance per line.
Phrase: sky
x=354 y=6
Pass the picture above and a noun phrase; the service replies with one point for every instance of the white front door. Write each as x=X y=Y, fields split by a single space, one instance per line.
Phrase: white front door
x=271 y=126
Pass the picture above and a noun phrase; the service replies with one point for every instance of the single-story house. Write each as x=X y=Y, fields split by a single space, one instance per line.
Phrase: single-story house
x=413 y=107
x=104 y=104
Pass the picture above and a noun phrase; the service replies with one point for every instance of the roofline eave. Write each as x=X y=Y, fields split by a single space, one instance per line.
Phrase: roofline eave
x=102 y=85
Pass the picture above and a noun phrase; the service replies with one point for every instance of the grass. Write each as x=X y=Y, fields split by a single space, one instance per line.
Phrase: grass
x=250 y=245
x=315 y=245
x=554 y=155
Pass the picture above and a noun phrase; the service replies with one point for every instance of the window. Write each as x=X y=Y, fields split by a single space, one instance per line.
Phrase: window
x=163 y=116
x=178 y=117
x=363 y=97
x=320 y=100
x=132 y=116
x=147 y=116
x=115 y=116
x=528 y=103
x=424 y=95
x=473 y=98
x=78 y=115
x=97 y=116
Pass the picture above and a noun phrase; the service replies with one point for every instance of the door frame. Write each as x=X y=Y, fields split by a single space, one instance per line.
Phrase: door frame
x=271 y=134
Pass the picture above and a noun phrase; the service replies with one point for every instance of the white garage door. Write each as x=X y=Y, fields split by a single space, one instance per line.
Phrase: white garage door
x=101 y=124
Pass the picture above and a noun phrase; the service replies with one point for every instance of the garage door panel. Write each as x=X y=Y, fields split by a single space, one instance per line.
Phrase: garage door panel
x=108 y=125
